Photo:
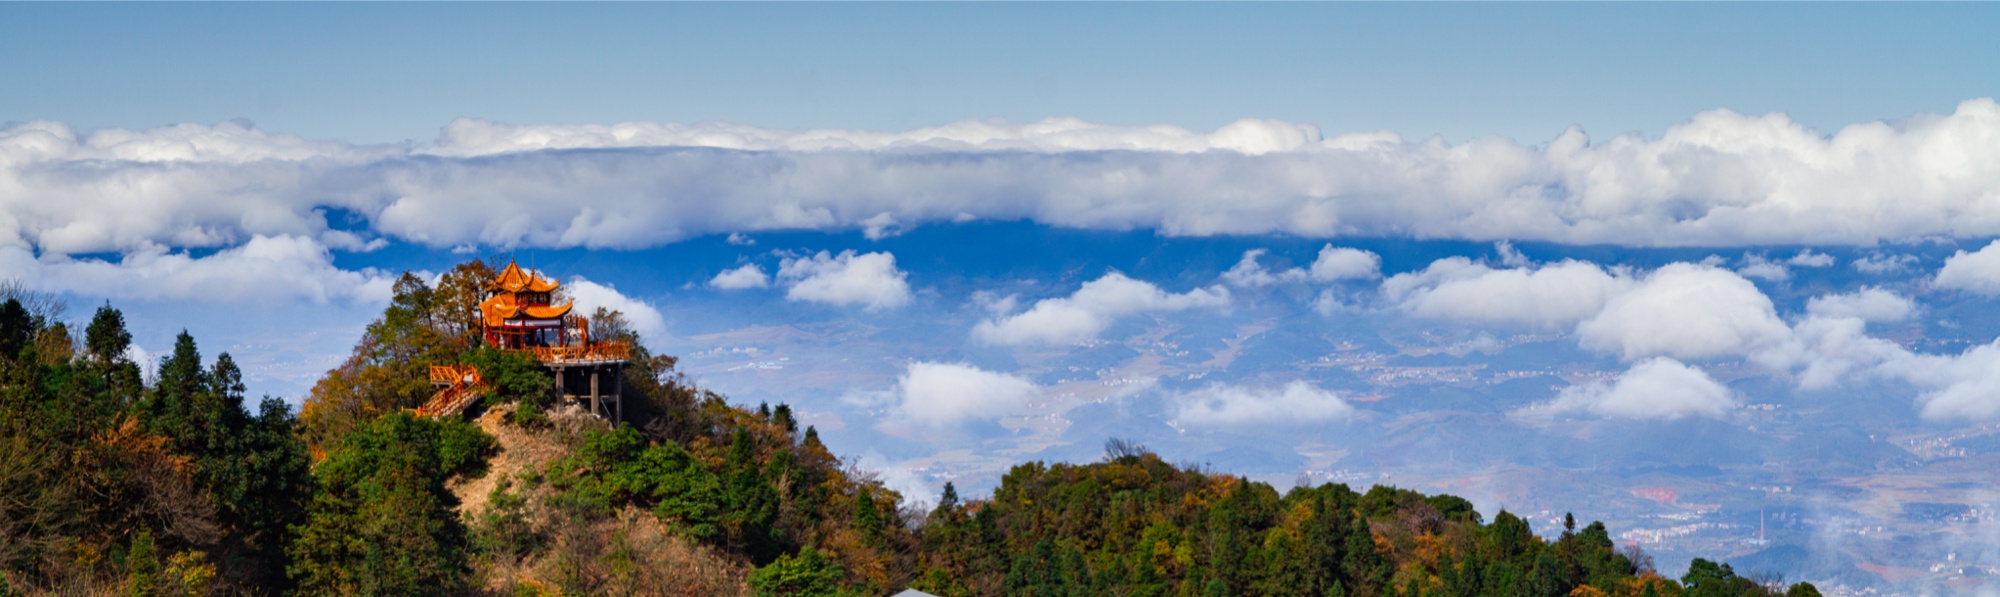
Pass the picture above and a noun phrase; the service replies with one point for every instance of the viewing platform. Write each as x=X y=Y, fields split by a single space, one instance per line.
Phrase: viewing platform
x=519 y=315
x=600 y=353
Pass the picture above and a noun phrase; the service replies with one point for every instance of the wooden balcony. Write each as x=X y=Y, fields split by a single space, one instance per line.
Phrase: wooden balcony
x=597 y=353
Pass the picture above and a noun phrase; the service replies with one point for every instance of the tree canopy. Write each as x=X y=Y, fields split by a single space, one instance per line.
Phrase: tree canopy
x=112 y=484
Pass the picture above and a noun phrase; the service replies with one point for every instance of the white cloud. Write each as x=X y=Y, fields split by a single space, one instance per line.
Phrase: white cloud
x=1510 y=256
x=643 y=318
x=467 y=137
x=1343 y=263
x=1867 y=304
x=1966 y=386
x=1332 y=264
x=1092 y=308
x=185 y=186
x=1882 y=264
x=1807 y=258
x=1961 y=386
x=1296 y=403
x=1657 y=388
x=748 y=276
x=1328 y=303
x=1756 y=266
x=1690 y=311
x=148 y=364
x=1687 y=311
x=1833 y=349
x=883 y=225
x=1555 y=295
x=1249 y=273
x=265 y=268
x=994 y=303
x=1977 y=272
x=917 y=490
x=941 y=394
x=1832 y=346
x=1719 y=179
x=869 y=279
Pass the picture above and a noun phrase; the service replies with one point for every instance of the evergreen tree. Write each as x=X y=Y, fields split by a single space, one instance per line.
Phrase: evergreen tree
x=753 y=504
x=810 y=573
x=1364 y=568
x=1705 y=578
x=106 y=338
x=91 y=457
x=173 y=410
x=1548 y=577
x=381 y=521
x=17 y=329
x=276 y=482
x=142 y=567
x=1508 y=538
x=949 y=499
x=867 y=518
x=1465 y=578
x=783 y=416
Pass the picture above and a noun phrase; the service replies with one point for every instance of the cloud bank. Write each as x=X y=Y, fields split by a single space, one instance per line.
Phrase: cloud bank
x=1721 y=178
x=1697 y=311
x=264 y=268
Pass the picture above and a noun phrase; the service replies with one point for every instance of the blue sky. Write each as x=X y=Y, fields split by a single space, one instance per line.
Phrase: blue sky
x=375 y=72
x=1346 y=242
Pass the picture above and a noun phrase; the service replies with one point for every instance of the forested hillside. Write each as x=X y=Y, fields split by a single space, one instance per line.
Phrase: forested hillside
x=110 y=484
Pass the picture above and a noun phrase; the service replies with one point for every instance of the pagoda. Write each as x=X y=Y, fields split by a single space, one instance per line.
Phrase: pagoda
x=519 y=314
x=516 y=313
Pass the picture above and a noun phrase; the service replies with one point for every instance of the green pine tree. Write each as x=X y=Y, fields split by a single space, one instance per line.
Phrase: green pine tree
x=142 y=567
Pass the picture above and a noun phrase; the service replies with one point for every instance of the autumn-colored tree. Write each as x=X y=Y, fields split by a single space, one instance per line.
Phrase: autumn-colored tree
x=389 y=369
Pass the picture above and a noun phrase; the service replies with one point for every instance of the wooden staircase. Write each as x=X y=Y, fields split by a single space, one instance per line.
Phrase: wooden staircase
x=462 y=386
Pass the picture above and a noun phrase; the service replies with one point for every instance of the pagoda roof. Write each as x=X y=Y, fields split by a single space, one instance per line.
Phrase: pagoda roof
x=546 y=311
x=502 y=307
x=515 y=279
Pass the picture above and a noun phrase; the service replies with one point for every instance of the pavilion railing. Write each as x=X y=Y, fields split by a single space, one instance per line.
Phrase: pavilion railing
x=444 y=375
x=596 y=352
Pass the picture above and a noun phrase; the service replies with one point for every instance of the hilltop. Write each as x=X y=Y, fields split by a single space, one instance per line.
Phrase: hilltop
x=111 y=484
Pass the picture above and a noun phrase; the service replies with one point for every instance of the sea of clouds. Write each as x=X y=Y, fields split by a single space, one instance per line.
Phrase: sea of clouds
x=232 y=213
